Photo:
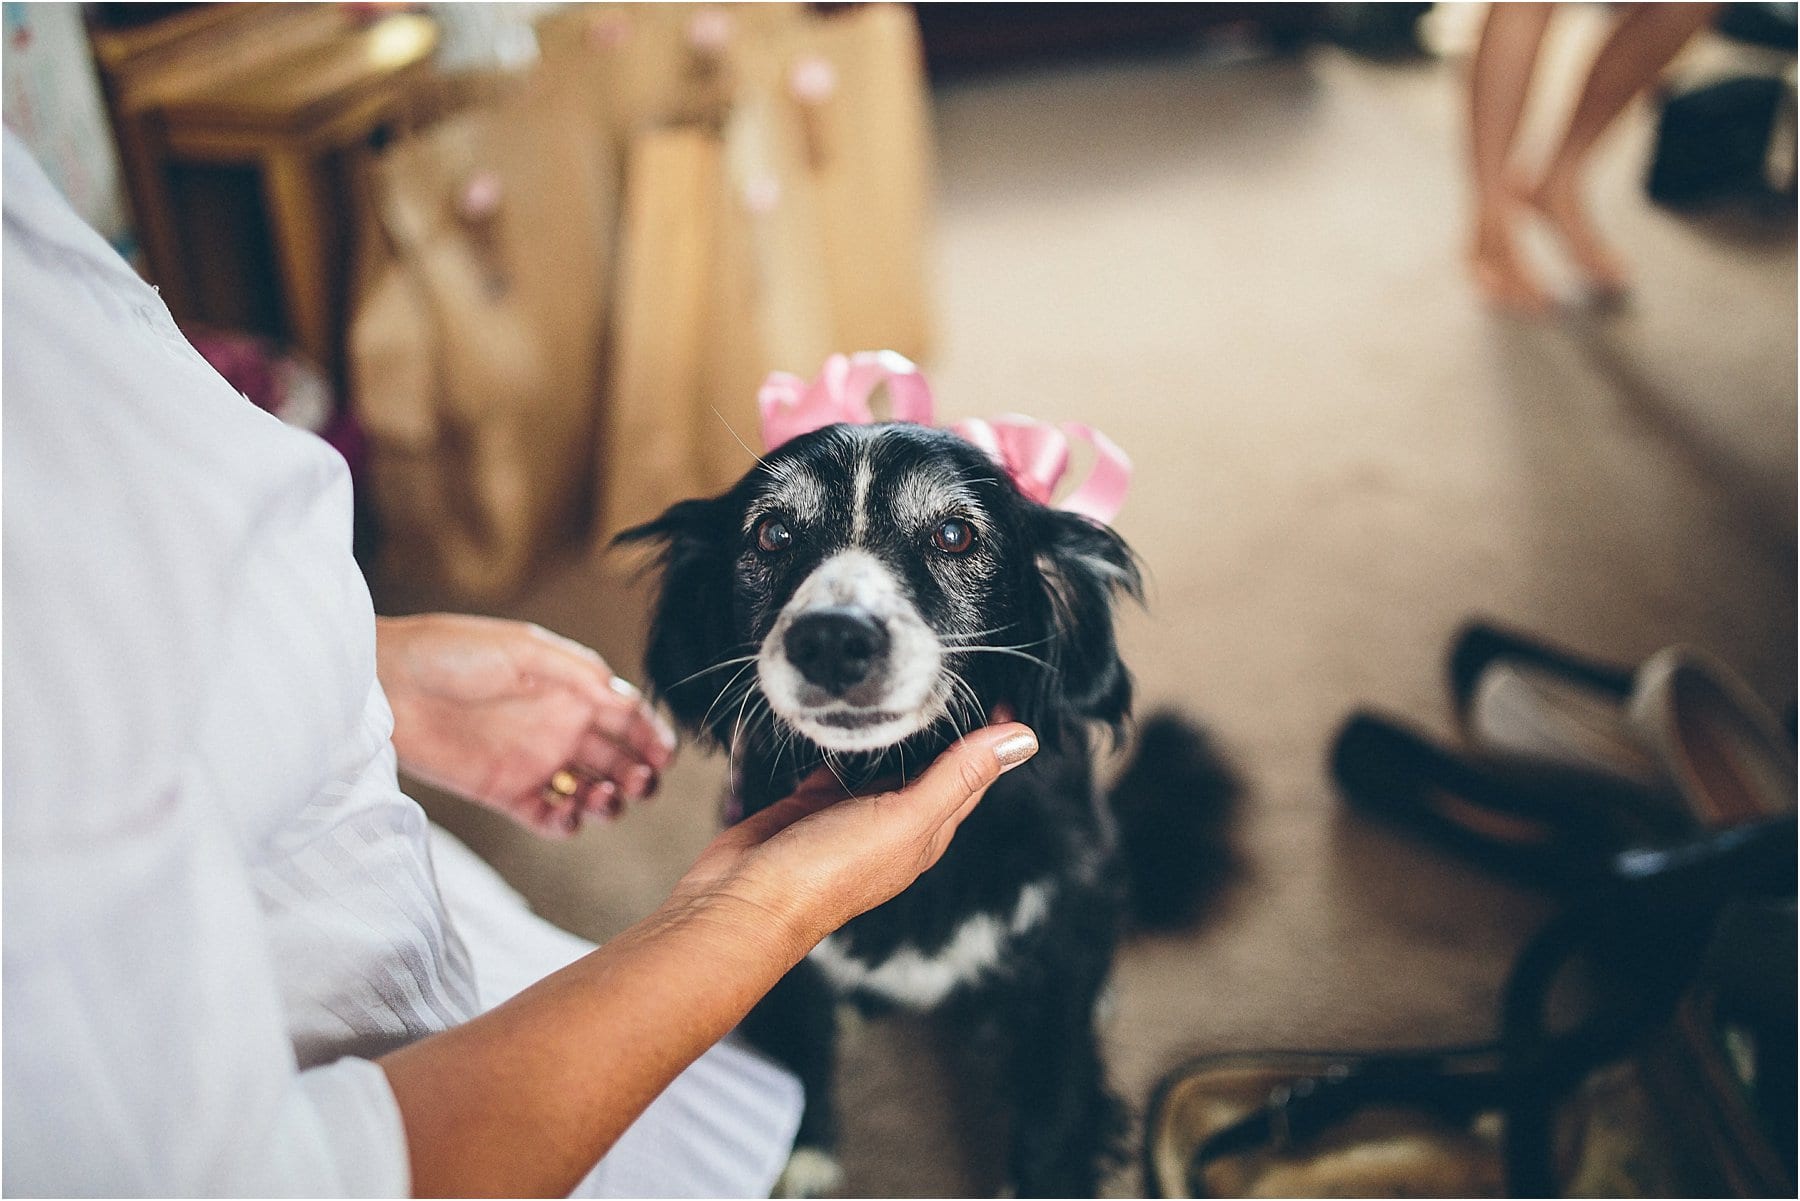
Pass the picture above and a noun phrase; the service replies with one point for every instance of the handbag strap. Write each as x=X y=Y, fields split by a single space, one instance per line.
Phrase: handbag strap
x=1644 y=933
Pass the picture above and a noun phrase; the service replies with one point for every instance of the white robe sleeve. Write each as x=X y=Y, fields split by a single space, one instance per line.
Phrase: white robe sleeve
x=145 y=1047
x=144 y=1044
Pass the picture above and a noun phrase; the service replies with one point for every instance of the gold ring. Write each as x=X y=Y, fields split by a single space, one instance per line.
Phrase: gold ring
x=564 y=783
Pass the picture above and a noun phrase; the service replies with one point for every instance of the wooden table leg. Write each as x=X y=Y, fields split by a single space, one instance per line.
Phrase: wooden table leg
x=153 y=207
x=299 y=217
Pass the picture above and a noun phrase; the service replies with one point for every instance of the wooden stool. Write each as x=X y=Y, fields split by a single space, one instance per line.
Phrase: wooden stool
x=283 y=90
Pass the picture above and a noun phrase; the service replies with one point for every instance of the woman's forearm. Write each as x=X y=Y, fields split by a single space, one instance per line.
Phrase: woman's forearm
x=523 y=1100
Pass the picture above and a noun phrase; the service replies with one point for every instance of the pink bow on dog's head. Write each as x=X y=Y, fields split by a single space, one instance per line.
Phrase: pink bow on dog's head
x=1034 y=453
x=790 y=406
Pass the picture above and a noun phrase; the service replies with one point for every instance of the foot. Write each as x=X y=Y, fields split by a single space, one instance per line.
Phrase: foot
x=1498 y=267
x=1558 y=201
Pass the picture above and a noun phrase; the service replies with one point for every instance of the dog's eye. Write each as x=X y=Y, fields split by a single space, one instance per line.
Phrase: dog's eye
x=773 y=535
x=953 y=536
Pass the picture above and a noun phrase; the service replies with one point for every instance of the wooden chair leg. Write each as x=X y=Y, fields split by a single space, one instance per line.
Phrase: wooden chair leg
x=299 y=219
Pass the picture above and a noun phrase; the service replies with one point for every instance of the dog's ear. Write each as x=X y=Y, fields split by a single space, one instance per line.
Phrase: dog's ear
x=691 y=624
x=1086 y=568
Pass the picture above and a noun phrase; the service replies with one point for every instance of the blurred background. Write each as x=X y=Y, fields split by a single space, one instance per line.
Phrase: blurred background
x=526 y=264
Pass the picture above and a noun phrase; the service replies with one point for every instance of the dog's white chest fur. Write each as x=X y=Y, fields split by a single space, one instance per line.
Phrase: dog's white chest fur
x=911 y=978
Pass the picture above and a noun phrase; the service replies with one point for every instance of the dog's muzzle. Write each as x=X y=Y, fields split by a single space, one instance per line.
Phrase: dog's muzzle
x=849 y=662
x=836 y=649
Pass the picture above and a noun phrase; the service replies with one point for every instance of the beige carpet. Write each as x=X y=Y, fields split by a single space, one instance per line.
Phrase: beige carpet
x=1249 y=275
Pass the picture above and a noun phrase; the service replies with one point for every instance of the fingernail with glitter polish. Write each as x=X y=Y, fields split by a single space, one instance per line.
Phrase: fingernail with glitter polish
x=1015 y=749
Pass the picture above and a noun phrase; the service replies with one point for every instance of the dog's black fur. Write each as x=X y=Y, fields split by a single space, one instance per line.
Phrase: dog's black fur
x=1025 y=617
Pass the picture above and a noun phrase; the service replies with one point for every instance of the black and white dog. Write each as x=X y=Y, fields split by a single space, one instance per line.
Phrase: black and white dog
x=860 y=597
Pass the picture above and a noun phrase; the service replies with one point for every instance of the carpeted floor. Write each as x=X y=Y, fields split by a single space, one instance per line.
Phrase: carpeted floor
x=1249 y=274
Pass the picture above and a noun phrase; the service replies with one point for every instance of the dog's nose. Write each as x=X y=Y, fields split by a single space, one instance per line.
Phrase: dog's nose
x=836 y=649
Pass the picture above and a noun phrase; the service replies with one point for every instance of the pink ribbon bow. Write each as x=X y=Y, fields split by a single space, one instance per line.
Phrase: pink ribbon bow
x=790 y=406
x=1034 y=453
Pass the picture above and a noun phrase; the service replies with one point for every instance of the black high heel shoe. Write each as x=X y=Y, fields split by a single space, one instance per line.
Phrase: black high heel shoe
x=1481 y=644
x=1545 y=824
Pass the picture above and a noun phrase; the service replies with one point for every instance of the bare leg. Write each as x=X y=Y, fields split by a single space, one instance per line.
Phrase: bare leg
x=1641 y=45
x=1499 y=82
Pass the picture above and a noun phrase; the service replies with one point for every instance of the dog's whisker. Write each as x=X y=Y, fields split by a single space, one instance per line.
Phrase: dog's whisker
x=1004 y=650
x=946 y=702
x=968 y=476
x=742 y=696
x=720 y=666
x=990 y=630
x=734 y=435
x=957 y=697
x=977 y=714
x=752 y=719
x=786 y=740
x=834 y=771
x=728 y=692
x=725 y=692
x=950 y=715
x=761 y=714
x=958 y=681
x=766 y=715
x=983 y=634
x=1017 y=646
x=731 y=759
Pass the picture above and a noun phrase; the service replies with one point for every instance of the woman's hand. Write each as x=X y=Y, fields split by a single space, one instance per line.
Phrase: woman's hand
x=517 y=718
x=522 y=1100
x=815 y=860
